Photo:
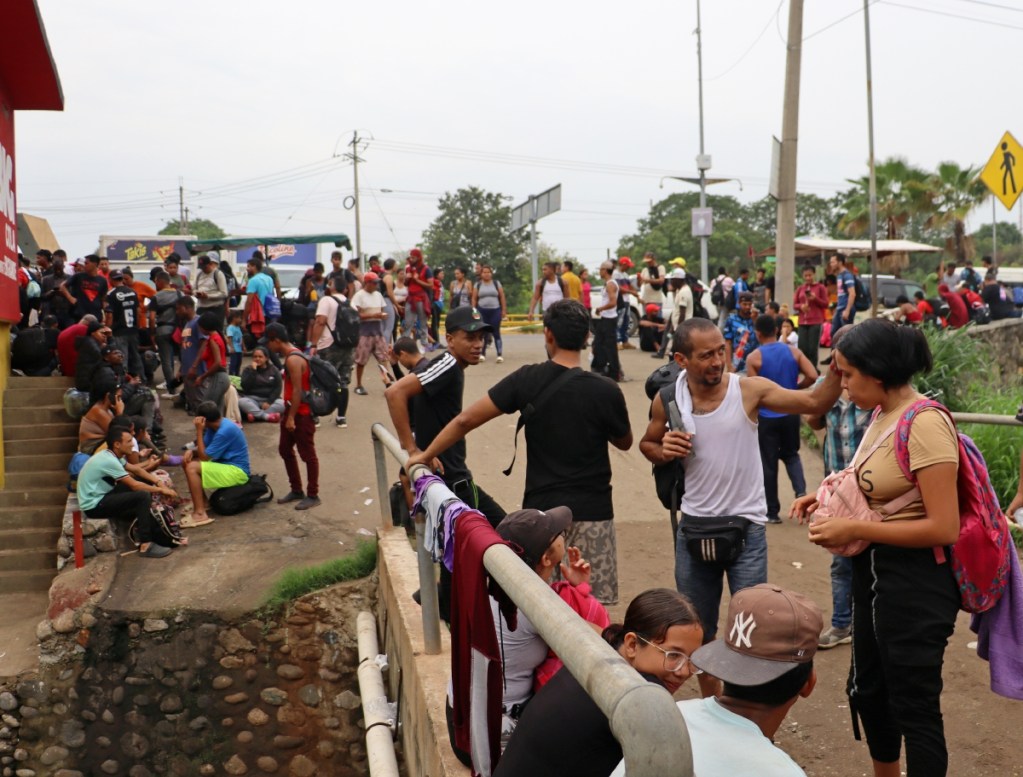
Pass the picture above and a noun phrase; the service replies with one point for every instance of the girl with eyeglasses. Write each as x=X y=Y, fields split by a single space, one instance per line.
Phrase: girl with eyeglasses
x=562 y=730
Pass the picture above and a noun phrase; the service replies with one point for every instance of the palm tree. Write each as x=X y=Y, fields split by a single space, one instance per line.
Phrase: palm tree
x=953 y=192
x=901 y=196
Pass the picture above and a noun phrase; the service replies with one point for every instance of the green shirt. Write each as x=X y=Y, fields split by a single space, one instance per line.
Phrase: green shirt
x=98 y=477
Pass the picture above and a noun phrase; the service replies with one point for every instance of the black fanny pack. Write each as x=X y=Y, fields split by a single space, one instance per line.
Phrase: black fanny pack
x=715 y=540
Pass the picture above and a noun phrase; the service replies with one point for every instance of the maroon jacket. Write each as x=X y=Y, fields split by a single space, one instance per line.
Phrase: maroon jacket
x=816 y=294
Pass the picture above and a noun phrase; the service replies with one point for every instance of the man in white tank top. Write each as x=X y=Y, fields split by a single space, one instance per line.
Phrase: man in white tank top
x=549 y=289
x=721 y=456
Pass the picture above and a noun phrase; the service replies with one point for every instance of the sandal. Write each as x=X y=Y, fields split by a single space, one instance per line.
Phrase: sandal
x=190 y=523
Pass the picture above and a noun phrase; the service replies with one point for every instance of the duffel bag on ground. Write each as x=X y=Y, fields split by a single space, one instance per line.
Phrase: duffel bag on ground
x=238 y=499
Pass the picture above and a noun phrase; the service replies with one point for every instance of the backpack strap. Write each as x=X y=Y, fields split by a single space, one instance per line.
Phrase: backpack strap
x=667 y=393
x=532 y=408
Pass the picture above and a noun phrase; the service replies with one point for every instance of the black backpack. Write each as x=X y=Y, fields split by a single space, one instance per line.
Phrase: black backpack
x=717 y=293
x=168 y=530
x=346 y=325
x=862 y=301
x=238 y=499
x=699 y=311
x=324 y=395
x=669 y=478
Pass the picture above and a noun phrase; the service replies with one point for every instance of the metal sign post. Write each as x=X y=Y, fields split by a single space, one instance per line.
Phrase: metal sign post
x=531 y=211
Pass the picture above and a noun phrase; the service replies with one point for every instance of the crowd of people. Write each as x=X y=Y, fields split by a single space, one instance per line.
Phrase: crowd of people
x=743 y=385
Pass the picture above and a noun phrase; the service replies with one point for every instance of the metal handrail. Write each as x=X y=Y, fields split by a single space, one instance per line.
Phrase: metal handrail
x=642 y=715
x=986 y=418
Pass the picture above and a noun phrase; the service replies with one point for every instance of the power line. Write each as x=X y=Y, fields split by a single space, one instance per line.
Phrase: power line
x=993 y=5
x=1002 y=25
x=748 y=50
x=837 y=21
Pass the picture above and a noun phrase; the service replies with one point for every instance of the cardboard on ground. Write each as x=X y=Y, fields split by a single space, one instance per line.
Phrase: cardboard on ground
x=1003 y=173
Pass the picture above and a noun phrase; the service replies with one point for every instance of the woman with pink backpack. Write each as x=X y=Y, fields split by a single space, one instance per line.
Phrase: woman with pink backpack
x=904 y=601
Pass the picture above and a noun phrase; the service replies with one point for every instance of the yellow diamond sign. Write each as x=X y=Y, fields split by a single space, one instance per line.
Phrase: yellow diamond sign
x=1003 y=173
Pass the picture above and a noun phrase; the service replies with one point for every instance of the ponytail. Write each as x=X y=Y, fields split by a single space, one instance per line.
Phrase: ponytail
x=651 y=614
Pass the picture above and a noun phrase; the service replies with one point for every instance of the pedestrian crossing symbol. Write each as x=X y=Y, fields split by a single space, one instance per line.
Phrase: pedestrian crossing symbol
x=1002 y=174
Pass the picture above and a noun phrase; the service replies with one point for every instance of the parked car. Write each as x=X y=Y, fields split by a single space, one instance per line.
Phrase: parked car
x=889 y=288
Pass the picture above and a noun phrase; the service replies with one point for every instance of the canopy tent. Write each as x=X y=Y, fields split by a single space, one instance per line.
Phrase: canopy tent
x=812 y=246
x=201 y=246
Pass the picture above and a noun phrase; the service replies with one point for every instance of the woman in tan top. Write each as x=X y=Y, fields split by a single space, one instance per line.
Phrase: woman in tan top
x=92 y=429
x=904 y=601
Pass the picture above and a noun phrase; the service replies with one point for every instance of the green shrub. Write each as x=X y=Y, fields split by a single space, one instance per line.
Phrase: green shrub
x=999 y=444
x=1017 y=534
x=960 y=362
x=297 y=582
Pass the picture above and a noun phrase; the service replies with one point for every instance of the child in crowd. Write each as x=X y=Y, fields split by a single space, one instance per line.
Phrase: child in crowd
x=234 y=343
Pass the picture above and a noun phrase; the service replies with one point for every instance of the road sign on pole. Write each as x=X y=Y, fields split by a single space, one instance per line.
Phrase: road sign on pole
x=531 y=211
x=1002 y=173
x=703 y=222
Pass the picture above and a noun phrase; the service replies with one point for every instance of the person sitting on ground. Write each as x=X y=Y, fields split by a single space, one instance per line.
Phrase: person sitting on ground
x=92 y=429
x=651 y=328
x=90 y=354
x=927 y=312
x=766 y=665
x=138 y=398
x=106 y=490
x=214 y=381
x=220 y=459
x=906 y=312
x=787 y=332
x=260 y=397
x=562 y=731
x=958 y=313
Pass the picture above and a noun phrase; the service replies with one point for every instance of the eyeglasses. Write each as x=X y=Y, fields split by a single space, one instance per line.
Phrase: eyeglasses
x=674 y=661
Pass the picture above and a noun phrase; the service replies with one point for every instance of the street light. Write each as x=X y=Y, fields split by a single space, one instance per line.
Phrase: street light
x=703 y=182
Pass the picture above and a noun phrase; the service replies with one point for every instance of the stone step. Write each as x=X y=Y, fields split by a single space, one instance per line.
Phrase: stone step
x=37 y=414
x=28 y=580
x=18 y=381
x=35 y=462
x=27 y=559
x=52 y=496
x=31 y=397
x=35 y=538
x=47 y=478
x=66 y=445
x=21 y=431
x=47 y=516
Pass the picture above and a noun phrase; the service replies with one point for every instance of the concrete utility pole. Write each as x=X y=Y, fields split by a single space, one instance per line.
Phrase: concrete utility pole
x=354 y=156
x=184 y=224
x=785 y=242
x=181 y=205
x=702 y=162
x=873 y=177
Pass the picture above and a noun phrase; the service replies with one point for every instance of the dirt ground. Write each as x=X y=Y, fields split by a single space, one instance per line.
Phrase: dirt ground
x=230 y=565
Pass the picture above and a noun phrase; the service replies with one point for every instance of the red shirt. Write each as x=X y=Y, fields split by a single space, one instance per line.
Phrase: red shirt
x=208 y=358
x=417 y=293
x=67 y=354
x=958 y=315
x=303 y=408
x=925 y=308
x=816 y=294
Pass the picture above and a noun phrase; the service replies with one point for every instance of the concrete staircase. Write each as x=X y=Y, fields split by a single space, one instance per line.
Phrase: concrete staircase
x=39 y=440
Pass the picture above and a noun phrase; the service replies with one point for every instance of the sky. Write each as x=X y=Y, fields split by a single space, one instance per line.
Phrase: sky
x=249 y=106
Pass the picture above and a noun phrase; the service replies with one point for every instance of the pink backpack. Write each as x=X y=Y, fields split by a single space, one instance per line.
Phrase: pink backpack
x=980 y=557
x=840 y=495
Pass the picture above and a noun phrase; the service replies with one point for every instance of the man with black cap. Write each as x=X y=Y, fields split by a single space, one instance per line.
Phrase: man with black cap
x=766 y=664
x=122 y=318
x=211 y=289
x=435 y=389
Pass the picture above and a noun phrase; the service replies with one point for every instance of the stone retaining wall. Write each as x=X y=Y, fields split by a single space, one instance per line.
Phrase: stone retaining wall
x=1004 y=339
x=191 y=695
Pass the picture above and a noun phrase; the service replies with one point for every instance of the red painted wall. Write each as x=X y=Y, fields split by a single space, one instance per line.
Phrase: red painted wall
x=9 y=310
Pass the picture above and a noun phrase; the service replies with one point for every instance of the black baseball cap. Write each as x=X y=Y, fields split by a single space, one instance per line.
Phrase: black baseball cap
x=533 y=531
x=466 y=318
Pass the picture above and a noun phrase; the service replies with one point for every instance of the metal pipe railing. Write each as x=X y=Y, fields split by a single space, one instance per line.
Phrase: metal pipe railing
x=643 y=716
x=383 y=441
x=986 y=418
x=378 y=716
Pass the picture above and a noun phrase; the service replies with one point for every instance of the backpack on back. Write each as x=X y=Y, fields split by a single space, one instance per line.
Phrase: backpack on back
x=862 y=301
x=717 y=293
x=324 y=395
x=237 y=499
x=346 y=325
x=980 y=557
x=669 y=478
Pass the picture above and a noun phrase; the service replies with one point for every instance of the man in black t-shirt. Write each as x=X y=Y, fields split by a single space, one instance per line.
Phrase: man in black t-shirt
x=122 y=318
x=566 y=438
x=998 y=299
x=86 y=290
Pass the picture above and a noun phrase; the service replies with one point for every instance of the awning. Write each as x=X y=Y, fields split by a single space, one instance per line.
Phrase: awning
x=201 y=246
x=26 y=64
x=811 y=246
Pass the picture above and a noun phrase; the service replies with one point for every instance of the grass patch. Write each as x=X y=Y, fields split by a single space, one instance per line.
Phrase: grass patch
x=1017 y=535
x=999 y=444
x=298 y=582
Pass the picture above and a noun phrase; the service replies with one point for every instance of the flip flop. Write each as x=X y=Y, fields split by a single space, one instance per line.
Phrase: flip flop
x=191 y=523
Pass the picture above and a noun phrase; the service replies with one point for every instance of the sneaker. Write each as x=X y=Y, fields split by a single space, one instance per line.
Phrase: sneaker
x=316 y=421
x=499 y=359
x=361 y=391
x=168 y=396
x=832 y=637
x=291 y=496
x=161 y=386
x=482 y=358
x=341 y=422
x=774 y=519
x=309 y=501
x=273 y=418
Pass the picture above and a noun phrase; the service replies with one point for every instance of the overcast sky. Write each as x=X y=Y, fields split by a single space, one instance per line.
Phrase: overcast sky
x=249 y=102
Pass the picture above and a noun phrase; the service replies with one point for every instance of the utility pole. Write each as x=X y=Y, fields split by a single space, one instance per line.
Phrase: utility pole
x=354 y=156
x=873 y=177
x=785 y=242
x=994 y=232
x=184 y=227
x=702 y=161
x=181 y=205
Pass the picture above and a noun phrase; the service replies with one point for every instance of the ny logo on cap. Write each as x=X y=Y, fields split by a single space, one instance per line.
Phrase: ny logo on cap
x=742 y=630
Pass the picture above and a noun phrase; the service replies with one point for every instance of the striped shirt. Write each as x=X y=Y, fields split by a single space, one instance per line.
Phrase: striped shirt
x=844 y=427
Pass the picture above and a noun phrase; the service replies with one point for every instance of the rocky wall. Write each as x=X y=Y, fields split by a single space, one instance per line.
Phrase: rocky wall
x=188 y=694
x=1004 y=340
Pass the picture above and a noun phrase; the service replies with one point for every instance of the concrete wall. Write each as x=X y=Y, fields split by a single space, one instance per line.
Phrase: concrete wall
x=422 y=687
x=1004 y=339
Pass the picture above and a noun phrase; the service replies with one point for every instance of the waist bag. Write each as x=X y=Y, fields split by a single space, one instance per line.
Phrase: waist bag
x=715 y=540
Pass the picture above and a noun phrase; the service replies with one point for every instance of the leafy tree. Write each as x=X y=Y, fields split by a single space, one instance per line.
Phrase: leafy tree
x=815 y=216
x=204 y=229
x=1010 y=243
x=667 y=231
x=475 y=226
x=952 y=192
